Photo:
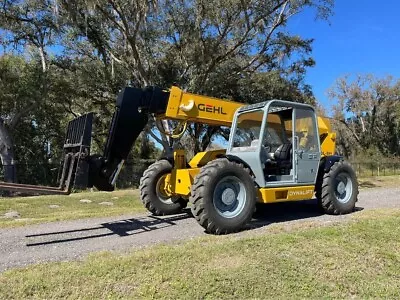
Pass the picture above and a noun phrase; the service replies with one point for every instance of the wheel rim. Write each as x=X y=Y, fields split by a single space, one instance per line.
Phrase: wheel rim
x=161 y=192
x=229 y=197
x=343 y=187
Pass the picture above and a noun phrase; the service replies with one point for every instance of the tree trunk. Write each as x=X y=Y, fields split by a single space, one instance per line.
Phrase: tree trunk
x=43 y=58
x=7 y=154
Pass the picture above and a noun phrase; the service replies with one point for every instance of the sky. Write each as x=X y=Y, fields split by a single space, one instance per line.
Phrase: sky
x=362 y=37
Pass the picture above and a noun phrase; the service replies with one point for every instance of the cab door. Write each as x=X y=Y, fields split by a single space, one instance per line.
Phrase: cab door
x=306 y=146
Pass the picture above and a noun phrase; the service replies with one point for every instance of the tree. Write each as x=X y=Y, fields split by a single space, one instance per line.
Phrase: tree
x=29 y=24
x=17 y=88
x=217 y=48
x=368 y=113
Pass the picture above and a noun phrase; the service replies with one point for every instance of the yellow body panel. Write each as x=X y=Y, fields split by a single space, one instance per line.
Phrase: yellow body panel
x=324 y=126
x=201 y=158
x=181 y=180
x=282 y=194
x=200 y=109
x=328 y=145
x=179 y=159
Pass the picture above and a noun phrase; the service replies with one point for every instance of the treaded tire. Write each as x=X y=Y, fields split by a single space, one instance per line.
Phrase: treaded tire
x=327 y=184
x=202 y=196
x=148 y=190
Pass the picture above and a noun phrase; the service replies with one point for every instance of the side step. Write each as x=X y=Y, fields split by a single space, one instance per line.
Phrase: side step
x=75 y=166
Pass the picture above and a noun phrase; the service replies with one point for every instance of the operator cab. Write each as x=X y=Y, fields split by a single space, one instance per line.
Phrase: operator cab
x=279 y=141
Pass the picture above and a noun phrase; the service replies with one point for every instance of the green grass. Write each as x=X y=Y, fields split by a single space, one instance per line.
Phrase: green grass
x=357 y=259
x=35 y=210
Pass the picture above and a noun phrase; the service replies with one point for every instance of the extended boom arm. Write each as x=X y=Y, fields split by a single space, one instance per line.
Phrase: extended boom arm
x=131 y=115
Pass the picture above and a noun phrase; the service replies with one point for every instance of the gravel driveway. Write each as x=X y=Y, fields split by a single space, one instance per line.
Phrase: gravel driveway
x=69 y=240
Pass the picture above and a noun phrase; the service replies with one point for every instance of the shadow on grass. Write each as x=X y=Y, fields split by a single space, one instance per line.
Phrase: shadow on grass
x=121 y=228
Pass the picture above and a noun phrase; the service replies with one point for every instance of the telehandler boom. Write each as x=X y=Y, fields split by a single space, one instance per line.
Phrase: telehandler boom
x=277 y=151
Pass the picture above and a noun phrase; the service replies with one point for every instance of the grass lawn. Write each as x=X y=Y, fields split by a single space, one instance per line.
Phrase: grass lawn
x=34 y=210
x=357 y=259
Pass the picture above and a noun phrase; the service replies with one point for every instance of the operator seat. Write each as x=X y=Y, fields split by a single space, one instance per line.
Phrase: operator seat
x=282 y=159
x=283 y=153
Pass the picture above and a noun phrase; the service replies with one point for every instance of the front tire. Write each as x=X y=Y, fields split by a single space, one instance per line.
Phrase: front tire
x=153 y=196
x=223 y=197
x=338 y=190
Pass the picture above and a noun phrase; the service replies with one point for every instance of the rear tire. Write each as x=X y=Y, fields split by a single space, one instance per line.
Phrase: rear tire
x=153 y=198
x=337 y=189
x=223 y=196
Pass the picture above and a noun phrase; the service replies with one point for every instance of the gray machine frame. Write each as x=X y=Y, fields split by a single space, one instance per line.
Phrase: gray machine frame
x=305 y=165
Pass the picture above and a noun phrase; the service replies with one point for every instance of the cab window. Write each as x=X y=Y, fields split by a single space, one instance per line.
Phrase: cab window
x=248 y=129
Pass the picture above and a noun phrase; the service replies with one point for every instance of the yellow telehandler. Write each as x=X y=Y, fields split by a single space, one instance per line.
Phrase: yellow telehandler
x=277 y=151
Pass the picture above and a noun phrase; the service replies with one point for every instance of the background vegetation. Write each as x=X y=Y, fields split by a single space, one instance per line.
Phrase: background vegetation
x=60 y=59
